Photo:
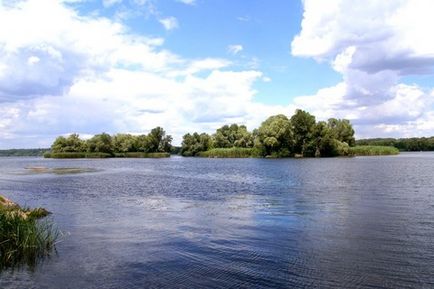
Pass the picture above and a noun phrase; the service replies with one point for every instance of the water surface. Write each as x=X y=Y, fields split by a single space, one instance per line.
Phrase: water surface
x=365 y=222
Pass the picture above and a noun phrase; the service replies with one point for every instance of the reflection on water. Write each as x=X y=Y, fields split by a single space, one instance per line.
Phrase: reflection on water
x=216 y=223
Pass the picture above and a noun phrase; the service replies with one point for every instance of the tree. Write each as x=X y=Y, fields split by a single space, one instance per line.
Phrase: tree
x=232 y=136
x=72 y=143
x=158 y=141
x=100 y=143
x=303 y=124
x=123 y=143
x=342 y=130
x=194 y=143
x=274 y=136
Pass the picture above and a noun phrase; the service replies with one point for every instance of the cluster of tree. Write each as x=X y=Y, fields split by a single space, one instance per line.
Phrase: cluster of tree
x=403 y=144
x=155 y=141
x=279 y=136
x=23 y=152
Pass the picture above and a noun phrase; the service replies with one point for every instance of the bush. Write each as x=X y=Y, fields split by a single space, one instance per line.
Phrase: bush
x=158 y=155
x=65 y=155
x=97 y=155
x=77 y=155
x=142 y=155
x=373 y=150
x=230 y=153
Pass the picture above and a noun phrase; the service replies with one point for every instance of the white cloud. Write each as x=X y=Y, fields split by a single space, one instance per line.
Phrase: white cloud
x=373 y=45
x=80 y=74
x=169 y=23
x=187 y=2
x=235 y=48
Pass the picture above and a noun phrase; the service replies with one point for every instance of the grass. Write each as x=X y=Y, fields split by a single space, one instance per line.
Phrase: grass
x=24 y=238
x=82 y=155
x=373 y=150
x=142 y=155
x=229 y=153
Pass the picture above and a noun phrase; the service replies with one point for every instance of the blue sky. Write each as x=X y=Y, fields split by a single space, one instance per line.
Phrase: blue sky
x=206 y=28
x=88 y=66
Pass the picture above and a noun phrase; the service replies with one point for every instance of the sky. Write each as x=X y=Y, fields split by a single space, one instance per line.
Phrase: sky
x=127 y=66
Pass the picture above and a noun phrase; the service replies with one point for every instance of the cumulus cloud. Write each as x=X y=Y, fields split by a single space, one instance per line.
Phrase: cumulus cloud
x=235 y=48
x=169 y=23
x=373 y=44
x=62 y=72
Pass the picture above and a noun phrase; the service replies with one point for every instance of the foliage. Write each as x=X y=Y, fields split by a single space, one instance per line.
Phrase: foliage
x=373 y=150
x=100 y=143
x=65 y=155
x=141 y=155
x=342 y=130
x=403 y=144
x=124 y=143
x=278 y=136
x=303 y=125
x=23 y=152
x=72 y=143
x=233 y=135
x=275 y=137
x=234 y=152
x=104 y=145
x=194 y=143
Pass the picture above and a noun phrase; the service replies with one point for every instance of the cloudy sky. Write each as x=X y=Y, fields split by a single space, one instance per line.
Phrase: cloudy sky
x=91 y=66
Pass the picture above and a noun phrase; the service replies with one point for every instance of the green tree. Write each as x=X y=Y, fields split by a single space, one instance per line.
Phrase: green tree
x=158 y=141
x=123 y=143
x=232 y=136
x=194 y=143
x=342 y=130
x=100 y=143
x=274 y=136
x=72 y=143
x=303 y=124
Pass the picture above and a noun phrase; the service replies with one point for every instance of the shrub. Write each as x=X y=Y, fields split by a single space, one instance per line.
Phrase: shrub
x=373 y=150
x=234 y=152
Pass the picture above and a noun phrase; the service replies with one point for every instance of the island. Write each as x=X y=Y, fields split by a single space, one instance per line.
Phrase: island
x=277 y=137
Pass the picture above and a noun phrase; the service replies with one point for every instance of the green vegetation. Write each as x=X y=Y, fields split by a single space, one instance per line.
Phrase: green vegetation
x=142 y=155
x=233 y=152
x=278 y=136
x=24 y=239
x=156 y=144
x=403 y=144
x=23 y=152
x=373 y=150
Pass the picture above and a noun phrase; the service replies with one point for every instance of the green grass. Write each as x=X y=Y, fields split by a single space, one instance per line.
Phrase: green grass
x=82 y=155
x=142 y=155
x=24 y=238
x=373 y=150
x=230 y=153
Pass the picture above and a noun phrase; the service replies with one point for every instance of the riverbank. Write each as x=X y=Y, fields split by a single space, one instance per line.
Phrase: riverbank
x=373 y=150
x=24 y=239
x=252 y=153
x=82 y=155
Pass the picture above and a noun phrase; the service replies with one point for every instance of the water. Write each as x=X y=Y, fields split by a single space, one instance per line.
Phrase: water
x=365 y=222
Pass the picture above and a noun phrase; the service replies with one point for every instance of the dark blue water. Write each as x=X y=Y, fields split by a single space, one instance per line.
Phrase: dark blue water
x=363 y=222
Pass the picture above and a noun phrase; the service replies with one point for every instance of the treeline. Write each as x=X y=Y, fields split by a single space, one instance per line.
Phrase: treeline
x=278 y=136
x=403 y=144
x=154 y=144
x=23 y=152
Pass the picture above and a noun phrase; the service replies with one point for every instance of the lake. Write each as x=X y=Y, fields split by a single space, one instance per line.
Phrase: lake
x=364 y=222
